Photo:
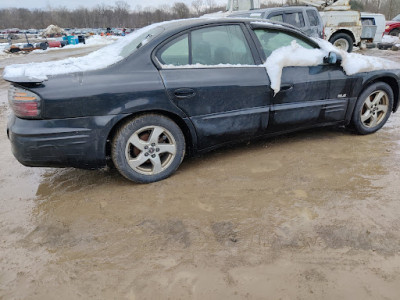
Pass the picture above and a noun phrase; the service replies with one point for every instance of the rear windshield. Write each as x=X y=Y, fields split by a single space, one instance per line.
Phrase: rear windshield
x=141 y=40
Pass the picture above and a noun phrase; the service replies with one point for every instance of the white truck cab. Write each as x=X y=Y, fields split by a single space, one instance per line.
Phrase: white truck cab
x=343 y=26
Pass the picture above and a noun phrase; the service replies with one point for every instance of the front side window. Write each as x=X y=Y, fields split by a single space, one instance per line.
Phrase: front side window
x=295 y=19
x=271 y=40
x=220 y=45
x=209 y=46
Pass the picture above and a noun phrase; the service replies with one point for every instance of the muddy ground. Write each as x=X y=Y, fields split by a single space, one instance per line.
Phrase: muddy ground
x=309 y=215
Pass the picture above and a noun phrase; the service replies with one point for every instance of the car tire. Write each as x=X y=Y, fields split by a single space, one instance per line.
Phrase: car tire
x=342 y=41
x=371 y=45
x=148 y=148
x=373 y=108
x=395 y=32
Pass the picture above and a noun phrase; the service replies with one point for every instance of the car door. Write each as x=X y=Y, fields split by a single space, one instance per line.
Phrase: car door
x=210 y=73
x=303 y=99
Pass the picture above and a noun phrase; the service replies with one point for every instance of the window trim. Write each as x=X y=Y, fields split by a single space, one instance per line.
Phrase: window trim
x=245 y=30
x=178 y=37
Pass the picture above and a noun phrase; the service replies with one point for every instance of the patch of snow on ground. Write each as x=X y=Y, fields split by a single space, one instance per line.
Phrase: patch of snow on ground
x=390 y=39
x=92 y=41
x=2 y=47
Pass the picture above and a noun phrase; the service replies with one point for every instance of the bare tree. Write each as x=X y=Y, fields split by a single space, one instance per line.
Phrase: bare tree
x=181 y=10
x=198 y=6
x=210 y=5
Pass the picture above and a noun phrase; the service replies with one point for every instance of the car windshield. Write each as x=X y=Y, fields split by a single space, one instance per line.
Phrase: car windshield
x=140 y=40
x=397 y=18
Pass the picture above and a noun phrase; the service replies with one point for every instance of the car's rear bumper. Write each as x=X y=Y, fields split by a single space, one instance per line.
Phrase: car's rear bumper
x=76 y=142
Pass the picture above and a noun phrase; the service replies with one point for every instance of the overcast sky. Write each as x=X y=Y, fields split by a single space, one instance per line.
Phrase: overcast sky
x=87 y=3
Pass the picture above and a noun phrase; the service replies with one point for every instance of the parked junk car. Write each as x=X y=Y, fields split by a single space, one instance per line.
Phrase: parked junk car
x=27 y=47
x=305 y=18
x=393 y=27
x=185 y=87
x=374 y=25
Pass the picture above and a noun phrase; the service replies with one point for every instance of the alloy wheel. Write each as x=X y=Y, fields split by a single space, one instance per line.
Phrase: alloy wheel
x=150 y=150
x=374 y=109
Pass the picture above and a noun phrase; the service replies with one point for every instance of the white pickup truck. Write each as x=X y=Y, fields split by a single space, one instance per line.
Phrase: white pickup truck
x=343 y=26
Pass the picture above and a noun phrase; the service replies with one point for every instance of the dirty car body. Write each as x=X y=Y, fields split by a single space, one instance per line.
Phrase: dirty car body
x=198 y=98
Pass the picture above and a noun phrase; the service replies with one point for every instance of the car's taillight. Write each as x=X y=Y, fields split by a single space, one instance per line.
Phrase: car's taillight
x=24 y=103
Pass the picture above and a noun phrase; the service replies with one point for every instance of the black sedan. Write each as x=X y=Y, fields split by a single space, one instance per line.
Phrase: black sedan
x=187 y=87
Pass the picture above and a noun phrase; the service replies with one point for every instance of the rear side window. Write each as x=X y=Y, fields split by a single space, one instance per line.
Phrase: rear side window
x=271 y=40
x=176 y=52
x=296 y=19
x=313 y=18
x=278 y=18
x=209 y=46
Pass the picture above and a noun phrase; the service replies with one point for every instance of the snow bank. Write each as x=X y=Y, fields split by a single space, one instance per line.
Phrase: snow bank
x=2 y=47
x=99 y=59
x=52 y=30
x=291 y=56
x=92 y=41
x=390 y=39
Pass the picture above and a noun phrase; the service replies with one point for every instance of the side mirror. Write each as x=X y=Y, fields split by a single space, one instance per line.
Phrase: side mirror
x=333 y=58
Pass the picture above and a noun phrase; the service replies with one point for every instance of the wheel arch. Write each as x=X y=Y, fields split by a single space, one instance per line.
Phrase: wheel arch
x=392 y=82
x=345 y=31
x=395 y=29
x=190 y=136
